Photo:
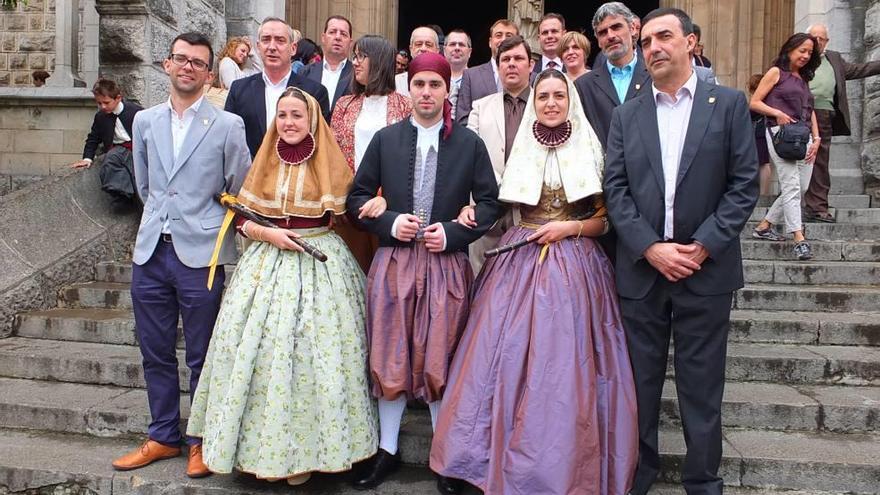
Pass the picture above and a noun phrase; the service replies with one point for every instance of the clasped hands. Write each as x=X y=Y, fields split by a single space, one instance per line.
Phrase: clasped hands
x=676 y=261
x=406 y=226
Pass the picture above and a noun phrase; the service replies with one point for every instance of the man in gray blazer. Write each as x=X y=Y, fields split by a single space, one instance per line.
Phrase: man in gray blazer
x=681 y=180
x=185 y=152
x=483 y=80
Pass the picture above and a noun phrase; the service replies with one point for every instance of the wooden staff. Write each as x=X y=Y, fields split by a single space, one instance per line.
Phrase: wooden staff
x=230 y=201
x=518 y=244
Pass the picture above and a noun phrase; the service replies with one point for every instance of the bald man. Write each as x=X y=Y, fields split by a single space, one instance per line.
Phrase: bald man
x=422 y=40
x=832 y=114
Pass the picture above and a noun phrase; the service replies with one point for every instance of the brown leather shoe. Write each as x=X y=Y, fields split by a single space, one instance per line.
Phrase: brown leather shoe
x=148 y=453
x=195 y=467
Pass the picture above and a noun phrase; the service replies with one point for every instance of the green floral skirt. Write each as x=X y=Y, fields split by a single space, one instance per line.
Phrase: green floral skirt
x=284 y=390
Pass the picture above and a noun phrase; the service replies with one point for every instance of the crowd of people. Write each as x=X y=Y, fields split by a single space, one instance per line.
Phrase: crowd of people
x=513 y=244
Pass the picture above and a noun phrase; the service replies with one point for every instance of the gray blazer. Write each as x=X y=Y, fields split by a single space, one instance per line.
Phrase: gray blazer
x=213 y=158
x=705 y=74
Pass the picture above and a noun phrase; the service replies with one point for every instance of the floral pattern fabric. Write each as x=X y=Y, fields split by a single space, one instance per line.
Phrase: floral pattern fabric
x=284 y=387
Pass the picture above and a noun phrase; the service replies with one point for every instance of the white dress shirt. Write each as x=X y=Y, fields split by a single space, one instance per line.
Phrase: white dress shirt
x=119 y=133
x=426 y=138
x=273 y=92
x=179 y=129
x=401 y=83
x=673 y=117
x=330 y=78
x=373 y=117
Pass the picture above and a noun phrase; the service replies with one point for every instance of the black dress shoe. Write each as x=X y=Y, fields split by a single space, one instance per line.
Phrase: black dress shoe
x=375 y=473
x=449 y=486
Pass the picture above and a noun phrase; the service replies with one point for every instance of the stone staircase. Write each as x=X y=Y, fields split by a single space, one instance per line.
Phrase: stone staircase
x=801 y=408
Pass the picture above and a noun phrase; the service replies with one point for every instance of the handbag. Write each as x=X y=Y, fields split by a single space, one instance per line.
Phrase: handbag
x=791 y=140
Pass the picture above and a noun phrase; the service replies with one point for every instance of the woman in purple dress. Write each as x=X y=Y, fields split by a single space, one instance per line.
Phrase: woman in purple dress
x=540 y=396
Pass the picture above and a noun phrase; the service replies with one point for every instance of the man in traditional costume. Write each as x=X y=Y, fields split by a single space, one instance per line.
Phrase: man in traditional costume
x=419 y=282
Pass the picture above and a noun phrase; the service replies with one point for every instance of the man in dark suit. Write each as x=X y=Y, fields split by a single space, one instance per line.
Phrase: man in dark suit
x=255 y=98
x=681 y=179
x=483 y=80
x=621 y=76
x=550 y=31
x=113 y=121
x=832 y=114
x=334 y=71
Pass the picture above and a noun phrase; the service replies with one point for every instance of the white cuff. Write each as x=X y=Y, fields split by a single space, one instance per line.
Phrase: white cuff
x=394 y=226
x=87 y=160
x=443 y=230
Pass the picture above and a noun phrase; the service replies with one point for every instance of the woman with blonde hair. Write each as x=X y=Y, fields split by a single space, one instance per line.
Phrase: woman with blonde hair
x=232 y=60
x=574 y=48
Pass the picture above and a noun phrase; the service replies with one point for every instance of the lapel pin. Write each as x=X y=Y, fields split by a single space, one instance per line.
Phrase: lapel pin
x=711 y=99
x=205 y=121
x=638 y=87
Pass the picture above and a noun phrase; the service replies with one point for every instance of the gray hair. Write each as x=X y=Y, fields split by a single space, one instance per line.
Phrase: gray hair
x=612 y=9
x=436 y=36
x=290 y=30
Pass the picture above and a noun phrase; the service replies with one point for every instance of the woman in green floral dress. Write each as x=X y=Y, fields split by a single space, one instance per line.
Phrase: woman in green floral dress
x=283 y=391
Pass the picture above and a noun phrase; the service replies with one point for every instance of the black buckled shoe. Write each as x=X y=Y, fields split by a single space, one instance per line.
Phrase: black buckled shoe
x=449 y=486
x=375 y=473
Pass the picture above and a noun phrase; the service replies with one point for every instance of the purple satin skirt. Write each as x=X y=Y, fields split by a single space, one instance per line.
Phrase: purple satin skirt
x=417 y=307
x=540 y=396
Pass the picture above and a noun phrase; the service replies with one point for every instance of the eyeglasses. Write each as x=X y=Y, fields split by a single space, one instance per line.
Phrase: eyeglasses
x=360 y=57
x=182 y=60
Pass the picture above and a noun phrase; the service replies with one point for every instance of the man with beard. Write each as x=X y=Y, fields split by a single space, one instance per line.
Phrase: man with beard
x=417 y=290
x=621 y=76
x=458 y=52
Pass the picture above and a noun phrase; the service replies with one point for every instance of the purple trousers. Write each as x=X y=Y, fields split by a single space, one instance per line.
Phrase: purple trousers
x=162 y=290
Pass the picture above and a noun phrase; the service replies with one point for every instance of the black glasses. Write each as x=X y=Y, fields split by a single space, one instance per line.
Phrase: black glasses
x=360 y=57
x=182 y=60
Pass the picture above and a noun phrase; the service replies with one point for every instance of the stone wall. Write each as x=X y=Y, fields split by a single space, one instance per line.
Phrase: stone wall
x=53 y=233
x=871 y=116
x=27 y=41
x=135 y=36
x=42 y=130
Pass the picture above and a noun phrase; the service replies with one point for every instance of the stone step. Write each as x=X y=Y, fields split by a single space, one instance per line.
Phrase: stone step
x=113 y=411
x=120 y=271
x=830 y=231
x=847 y=181
x=757 y=249
x=802 y=364
x=106 y=295
x=43 y=462
x=120 y=365
x=811 y=272
x=77 y=362
x=788 y=327
x=753 y=460
x=107 y=326
x=849 y=201
x=778 y=297
x=803 y=327
x=842 y=215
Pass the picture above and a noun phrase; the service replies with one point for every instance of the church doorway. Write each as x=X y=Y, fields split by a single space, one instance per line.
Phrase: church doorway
x=474 y=17
x=579 y=15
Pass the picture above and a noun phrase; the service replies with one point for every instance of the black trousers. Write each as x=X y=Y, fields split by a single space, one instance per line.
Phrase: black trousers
x=699 y=326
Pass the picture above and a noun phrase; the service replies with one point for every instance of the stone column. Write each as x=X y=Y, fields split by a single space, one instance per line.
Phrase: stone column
x=66 y=72
x=870 y=156
x=243 y=17
x=526 y=14
x=367 y=16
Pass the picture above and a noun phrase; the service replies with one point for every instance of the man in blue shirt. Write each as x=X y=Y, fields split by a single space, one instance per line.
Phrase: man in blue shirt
x=621 y=76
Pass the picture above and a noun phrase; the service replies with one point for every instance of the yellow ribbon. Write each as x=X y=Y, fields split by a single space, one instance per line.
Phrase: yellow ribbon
x=544 y=250
x=212 y=265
